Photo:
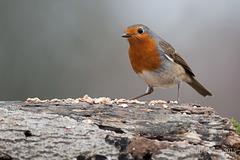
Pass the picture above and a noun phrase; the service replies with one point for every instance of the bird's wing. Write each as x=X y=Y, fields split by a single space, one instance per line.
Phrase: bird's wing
x=172 y=55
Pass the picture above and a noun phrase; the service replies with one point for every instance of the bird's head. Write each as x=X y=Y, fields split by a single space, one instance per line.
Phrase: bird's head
x=137 y=33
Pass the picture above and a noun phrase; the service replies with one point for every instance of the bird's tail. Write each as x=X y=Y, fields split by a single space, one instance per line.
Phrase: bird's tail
x=199 y=88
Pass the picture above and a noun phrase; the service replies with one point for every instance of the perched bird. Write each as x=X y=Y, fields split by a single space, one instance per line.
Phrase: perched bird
x=157 y=62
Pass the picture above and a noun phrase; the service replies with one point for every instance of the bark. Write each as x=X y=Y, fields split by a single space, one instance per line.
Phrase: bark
x=88 y=131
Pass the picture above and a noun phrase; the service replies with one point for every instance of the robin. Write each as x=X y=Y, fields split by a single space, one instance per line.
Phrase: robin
x=157 y=62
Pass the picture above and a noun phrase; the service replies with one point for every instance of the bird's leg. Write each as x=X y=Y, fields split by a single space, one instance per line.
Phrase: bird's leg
x=148 y=91
x=178 y=93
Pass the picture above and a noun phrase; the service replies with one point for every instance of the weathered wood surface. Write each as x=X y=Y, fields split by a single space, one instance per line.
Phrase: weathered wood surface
x=112 y=131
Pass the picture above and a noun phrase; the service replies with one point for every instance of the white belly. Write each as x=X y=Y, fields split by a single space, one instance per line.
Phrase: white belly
x=161 y=80
x=166 y=77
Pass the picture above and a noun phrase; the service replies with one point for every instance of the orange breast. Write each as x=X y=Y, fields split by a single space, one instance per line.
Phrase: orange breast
x=143 y=55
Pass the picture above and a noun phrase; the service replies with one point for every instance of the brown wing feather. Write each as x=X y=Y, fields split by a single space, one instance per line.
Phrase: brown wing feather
x=172 y=53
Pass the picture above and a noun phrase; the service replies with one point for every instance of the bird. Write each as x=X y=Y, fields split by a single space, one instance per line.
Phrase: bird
x=157 y=63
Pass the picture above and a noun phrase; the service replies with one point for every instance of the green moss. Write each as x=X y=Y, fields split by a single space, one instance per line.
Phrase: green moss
x=236 y=125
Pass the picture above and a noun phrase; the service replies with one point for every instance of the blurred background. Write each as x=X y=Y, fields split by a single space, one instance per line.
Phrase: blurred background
x=61 y=49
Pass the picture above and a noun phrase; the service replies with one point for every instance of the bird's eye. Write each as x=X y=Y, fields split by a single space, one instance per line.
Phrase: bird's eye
x=140 y=30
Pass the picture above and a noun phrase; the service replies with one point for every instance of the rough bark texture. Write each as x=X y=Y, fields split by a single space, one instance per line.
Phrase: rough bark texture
x=86 y=131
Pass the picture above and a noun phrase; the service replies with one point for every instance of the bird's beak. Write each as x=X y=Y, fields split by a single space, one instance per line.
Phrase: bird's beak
x=126 y=35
